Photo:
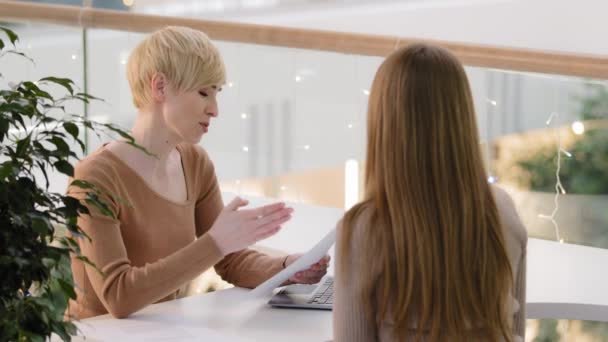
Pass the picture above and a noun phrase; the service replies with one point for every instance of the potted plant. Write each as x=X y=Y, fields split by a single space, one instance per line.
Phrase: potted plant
x=36 y=135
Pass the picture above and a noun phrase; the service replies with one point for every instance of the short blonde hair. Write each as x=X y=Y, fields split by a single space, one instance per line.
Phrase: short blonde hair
x=185 y=56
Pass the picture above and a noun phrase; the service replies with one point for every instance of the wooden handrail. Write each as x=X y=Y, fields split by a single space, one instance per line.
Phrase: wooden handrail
x=593 y=66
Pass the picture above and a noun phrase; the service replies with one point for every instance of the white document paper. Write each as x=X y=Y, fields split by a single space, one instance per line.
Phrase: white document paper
x=304 y=262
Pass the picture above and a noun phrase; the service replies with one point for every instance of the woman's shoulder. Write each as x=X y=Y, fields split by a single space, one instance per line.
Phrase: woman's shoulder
x=97 y=166
x=357 y=221
x=196 y=154
x=510 y=219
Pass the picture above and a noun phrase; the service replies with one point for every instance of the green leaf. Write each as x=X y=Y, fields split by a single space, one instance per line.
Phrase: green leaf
x=71 y=128
x=65 y=82
x=82 y=184
x=23 y=144
x=1 y=44
x=43 y=170
x=41 y=225
x=61 y=145
x=20 y=54
x=64 y=167
x=7 y=169
x=101 y=206
x=12 y=36
x=4 y=127
x=67 y=288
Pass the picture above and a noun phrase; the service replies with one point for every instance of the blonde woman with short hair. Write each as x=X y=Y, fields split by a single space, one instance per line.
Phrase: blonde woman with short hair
x=170 y=223
x=433 y=252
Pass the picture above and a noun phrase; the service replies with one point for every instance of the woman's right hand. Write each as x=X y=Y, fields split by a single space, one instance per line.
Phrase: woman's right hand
x=235 y=229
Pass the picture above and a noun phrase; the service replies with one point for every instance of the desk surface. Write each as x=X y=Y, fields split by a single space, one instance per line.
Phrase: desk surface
x=564 y=281
x=231 y=313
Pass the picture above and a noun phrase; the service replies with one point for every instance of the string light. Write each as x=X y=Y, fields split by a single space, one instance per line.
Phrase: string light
x=307 y=147
x=298 y=78
x=245 y=149
x=366 y=92
x=492 y=179
x=244 y=116
x=559 y=189
x=74 y=57
x=492 y=102
x=230 y=84
x=283 y=188
x=350 y=125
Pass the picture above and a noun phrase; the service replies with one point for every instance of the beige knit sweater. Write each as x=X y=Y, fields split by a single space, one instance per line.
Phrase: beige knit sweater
x=350 y=323
x=155 y=245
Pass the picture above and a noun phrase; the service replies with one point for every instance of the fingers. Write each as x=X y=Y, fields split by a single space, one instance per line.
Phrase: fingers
x=267 y=233
x=236 y=203
x=276 y=217
x=267 y=209
x=308 y=276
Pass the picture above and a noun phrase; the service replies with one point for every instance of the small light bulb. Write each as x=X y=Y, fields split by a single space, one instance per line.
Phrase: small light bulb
x=128 y=3
x=244 y=116
x=283 y=188
x=123 y=61
x=492 y=179
x=492 y=102
x=230 y=84
x=306 y=147
x=245 y=149
x=298 y=78
x=238 y=181
x=350 y=125
x=365 y=91
x=561 y=240
x=74 y=57
x=578 y=127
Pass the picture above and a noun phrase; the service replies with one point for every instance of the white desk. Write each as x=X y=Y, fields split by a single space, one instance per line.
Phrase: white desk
x=224 y=311
x=564 y=281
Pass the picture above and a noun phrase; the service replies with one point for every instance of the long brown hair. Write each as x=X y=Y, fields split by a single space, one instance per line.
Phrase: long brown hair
x=434 y=230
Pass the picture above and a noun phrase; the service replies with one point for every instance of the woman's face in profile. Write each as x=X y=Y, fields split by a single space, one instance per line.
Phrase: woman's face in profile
x=188 y=114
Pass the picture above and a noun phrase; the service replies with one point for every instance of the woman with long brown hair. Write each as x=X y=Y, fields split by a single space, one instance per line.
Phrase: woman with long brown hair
x=433 y=252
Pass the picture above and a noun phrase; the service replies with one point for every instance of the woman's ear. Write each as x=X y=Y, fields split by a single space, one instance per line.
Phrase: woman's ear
x=158 y=83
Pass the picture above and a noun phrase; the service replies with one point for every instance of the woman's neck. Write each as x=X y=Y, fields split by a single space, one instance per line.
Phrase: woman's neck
x=151 y=133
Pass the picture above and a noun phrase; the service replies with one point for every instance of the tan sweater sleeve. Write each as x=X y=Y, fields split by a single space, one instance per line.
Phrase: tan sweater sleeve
x=246 y=268
x=517 y=248
x=349 y=319
x=519 y=321
x=126 y=289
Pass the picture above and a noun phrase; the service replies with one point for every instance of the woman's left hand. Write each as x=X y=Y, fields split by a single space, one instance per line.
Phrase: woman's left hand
x=311 y=275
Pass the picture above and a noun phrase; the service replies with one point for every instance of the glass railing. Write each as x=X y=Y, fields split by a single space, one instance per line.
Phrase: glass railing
x=292 y=127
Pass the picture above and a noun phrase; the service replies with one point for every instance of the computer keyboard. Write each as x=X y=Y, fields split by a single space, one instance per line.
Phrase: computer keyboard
x=324 y=293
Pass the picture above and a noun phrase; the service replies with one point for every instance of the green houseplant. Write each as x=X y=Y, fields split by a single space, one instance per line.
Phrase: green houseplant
x=35 y=138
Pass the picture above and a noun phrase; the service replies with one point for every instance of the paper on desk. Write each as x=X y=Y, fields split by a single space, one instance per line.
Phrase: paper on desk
x=303 y=262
